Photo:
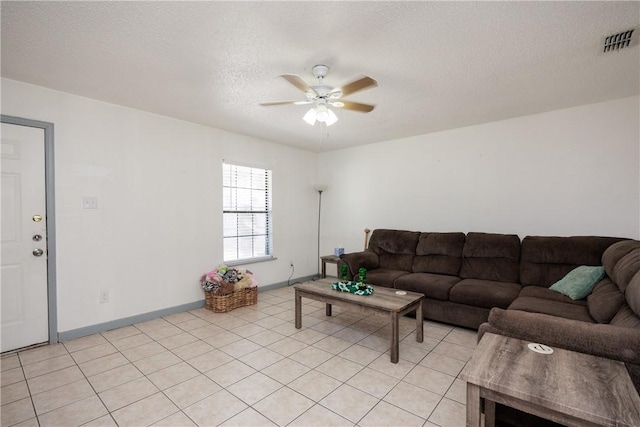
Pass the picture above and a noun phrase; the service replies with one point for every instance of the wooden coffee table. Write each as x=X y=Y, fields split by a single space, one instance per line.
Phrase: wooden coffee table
x=566 y=387
x=384 y=301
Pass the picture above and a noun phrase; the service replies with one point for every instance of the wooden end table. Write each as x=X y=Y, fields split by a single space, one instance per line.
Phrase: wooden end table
x=331 y=259
x=566 y=387
x=384 y=301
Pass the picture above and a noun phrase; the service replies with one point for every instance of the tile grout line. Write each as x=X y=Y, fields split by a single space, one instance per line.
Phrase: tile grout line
x=256 y=320
x=33 y=405
x=94 y=390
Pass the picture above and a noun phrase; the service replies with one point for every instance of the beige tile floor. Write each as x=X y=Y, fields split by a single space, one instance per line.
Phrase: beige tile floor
x=248 y=367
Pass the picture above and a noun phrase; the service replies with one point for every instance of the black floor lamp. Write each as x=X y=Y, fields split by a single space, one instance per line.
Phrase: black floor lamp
x=319 y=188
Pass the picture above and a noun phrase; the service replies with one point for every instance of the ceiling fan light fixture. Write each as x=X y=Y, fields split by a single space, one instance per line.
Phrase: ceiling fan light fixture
x=332 y=118
x=322 y=113
x=310 y=117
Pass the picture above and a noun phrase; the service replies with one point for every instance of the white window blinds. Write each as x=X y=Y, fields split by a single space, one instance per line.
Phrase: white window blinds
x=246 y=212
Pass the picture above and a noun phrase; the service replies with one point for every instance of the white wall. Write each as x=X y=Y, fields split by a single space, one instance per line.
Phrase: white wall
x=158 y=226
x=568 y=172
x=158 y=223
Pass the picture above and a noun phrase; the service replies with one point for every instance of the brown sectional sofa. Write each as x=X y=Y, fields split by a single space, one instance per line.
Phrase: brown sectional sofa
x=464 y=276
x=498 y=283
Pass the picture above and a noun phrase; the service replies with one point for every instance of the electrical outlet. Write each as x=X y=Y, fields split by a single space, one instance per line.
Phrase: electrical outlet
x=104 y=297
x=89 y=202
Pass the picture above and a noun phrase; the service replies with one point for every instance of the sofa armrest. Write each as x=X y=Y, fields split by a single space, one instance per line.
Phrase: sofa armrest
x=356 y=260
x=603 y=340
x=486 y=327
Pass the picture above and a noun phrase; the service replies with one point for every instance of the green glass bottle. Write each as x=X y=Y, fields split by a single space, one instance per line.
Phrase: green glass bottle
x=362 y=272
x=344 y=272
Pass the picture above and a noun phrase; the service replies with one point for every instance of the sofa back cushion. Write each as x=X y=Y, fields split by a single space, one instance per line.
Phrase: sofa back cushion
x=545 y=260
x=605 y=301
x=490 y=256
x=396 y=249
x=632 y=294
x=439 y=253
x=622 y=261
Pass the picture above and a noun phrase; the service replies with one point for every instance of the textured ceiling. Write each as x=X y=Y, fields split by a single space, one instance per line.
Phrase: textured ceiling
x=439 y=65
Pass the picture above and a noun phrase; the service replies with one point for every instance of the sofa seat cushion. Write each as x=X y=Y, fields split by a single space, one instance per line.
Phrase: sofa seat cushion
x=384 y=276
x=546 y=293
x=484 y=293
x=626 y=318
x=552 y=308
x=436 y=286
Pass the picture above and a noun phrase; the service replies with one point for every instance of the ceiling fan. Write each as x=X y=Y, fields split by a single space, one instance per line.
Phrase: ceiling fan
x=323 y=96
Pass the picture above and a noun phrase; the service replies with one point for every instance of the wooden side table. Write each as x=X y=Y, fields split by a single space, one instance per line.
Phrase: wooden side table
x=331 y=259
x=566 y=387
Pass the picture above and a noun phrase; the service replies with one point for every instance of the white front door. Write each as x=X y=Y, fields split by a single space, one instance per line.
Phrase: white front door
x=24 y=317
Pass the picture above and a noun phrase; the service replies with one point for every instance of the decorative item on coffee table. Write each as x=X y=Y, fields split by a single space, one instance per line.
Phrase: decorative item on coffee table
x=358 y=287
x=227 y=288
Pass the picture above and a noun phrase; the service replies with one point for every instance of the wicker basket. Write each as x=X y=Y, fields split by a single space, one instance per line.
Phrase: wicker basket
x=223 y=303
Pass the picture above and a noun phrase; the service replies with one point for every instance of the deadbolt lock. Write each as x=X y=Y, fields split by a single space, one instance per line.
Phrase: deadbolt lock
x=37 y=237
x=36 y=218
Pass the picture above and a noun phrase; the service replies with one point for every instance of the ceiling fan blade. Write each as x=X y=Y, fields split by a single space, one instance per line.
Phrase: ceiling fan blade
x=355 y=106
x=268 y=104
x=357 y=85
x=298 y=82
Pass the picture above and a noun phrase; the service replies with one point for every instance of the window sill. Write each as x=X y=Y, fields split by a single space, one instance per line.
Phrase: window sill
x=249 y=261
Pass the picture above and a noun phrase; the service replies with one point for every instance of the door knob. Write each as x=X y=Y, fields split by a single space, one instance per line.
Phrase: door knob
x=38 y=252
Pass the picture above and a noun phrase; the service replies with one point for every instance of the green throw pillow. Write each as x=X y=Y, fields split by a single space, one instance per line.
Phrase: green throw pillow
x=579 y=282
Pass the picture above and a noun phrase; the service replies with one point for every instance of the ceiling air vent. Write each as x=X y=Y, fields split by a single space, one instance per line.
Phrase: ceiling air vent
x=619 y=41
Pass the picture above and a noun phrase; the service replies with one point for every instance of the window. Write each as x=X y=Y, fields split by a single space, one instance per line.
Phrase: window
x=246 y=211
